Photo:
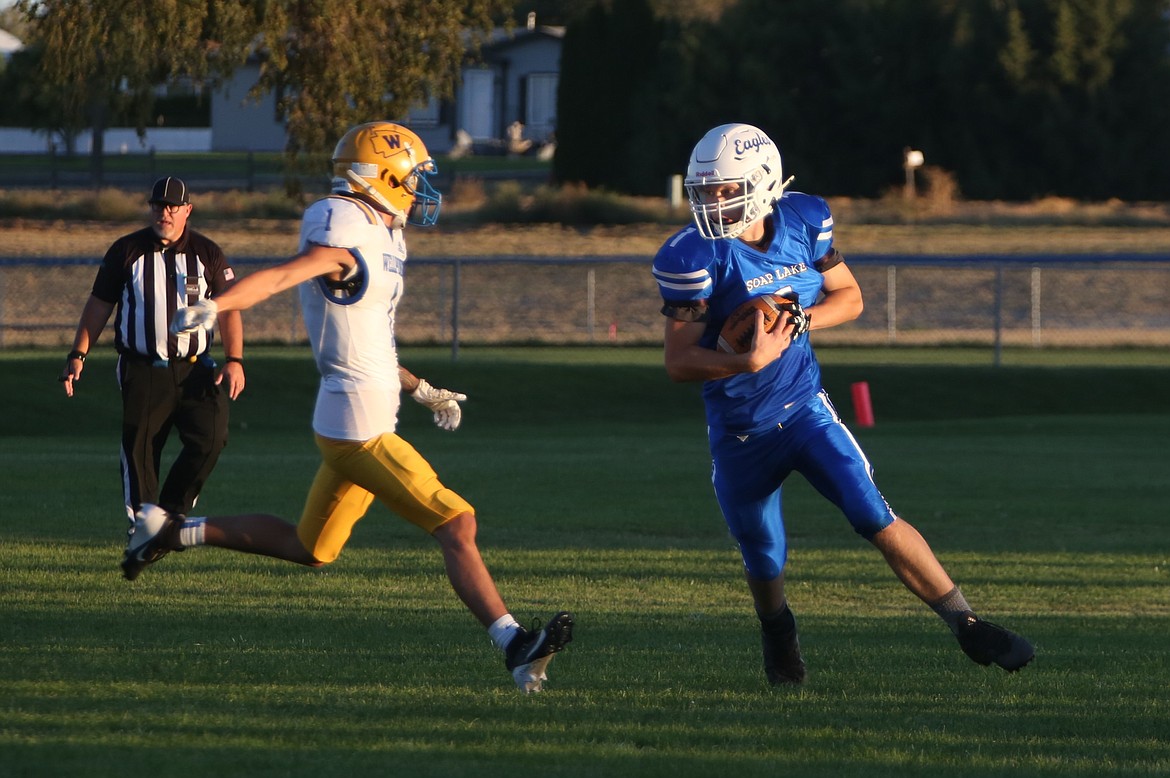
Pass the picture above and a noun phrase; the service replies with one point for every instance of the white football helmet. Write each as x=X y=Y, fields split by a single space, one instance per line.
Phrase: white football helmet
x=390 y=164
x=732 y=180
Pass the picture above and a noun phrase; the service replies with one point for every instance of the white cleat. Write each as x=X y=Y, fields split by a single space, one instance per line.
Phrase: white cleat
x=530 y=651
x=145 y=546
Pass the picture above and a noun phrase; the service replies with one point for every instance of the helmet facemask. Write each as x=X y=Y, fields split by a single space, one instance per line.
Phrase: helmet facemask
x=424 y=211
x=389 y=164
x=742 y=164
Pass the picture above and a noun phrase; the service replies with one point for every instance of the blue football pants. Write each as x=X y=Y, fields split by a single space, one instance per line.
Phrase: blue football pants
x=748 y=476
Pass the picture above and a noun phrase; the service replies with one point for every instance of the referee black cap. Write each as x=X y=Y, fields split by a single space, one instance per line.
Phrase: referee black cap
x=170 y=191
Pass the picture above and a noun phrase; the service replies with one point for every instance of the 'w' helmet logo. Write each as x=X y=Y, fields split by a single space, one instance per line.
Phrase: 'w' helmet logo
x=387 y=143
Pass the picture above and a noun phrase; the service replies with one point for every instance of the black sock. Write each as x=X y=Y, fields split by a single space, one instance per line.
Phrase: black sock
x=782 y=622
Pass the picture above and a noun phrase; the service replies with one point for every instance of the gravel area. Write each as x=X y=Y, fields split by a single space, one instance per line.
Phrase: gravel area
x=273 y=238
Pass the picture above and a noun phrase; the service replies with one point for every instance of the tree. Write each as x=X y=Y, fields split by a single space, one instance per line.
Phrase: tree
x=1045 y=95
x=330 y=64
x=13 y=22
x=103 y=61
x=34 y=103
x=1016 y=98
x=597 y=96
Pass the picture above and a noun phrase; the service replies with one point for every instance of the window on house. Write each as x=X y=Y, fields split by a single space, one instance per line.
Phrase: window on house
x=477 y=104
x=540 y=105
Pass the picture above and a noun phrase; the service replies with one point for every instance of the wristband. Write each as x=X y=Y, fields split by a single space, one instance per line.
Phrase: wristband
x=237 y=360
x=75 y=355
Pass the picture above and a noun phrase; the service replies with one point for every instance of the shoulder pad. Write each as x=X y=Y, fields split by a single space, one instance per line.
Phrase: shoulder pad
x=811 y=209
x=681 y=266
x=685 y=248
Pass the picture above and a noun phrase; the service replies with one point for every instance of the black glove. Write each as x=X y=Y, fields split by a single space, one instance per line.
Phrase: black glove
x=799 y=319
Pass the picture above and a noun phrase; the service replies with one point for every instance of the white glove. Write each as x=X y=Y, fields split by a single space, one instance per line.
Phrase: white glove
x=201 y=314
x=443 y=402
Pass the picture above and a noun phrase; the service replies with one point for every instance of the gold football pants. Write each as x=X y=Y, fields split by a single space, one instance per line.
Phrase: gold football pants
x=353 y=473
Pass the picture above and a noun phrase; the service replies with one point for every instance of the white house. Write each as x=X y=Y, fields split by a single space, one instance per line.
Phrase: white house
x=516 y=82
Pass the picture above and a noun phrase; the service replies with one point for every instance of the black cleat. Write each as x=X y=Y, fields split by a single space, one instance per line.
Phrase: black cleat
x=145 y=546
x=529 y=653
x=986 y=643
x=783 y=663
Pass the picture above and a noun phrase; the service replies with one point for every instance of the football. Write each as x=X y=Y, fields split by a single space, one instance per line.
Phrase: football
x=737 y=332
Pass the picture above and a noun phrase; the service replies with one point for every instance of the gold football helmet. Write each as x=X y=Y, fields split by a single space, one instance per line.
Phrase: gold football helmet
x=390 y=164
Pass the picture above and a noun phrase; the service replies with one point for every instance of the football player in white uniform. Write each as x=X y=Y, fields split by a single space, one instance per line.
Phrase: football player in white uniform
x=350 y=276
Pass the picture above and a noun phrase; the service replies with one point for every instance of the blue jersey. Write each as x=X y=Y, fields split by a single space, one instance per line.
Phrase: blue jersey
x=724 y=274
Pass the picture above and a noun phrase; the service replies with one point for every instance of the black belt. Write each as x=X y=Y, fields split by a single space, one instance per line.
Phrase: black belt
x=161 y=362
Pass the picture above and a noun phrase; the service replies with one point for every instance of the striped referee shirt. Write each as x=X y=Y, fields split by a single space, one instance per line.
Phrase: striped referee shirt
x=148 y=282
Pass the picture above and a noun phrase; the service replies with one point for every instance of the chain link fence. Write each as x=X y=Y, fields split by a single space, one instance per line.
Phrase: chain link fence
x=1037 y=302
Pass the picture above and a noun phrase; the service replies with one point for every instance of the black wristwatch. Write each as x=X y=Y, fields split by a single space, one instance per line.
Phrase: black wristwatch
x=72 y=355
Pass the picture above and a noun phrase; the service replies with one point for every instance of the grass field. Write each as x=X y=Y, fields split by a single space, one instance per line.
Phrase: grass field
x=1043 y=490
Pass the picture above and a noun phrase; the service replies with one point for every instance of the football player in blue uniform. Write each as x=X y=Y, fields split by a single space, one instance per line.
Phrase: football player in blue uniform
x=767 y=413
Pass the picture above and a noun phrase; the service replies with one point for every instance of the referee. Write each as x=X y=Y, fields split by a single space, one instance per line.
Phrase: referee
x=166 y=380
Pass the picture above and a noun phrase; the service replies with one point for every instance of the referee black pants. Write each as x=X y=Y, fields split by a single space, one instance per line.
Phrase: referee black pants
x=157 y=397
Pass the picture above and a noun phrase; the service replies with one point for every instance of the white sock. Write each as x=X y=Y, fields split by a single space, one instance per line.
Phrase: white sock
x=191 y=532
x=503 y=630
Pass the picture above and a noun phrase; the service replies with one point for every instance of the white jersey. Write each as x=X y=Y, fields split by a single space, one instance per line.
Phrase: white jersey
x=351 y=324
